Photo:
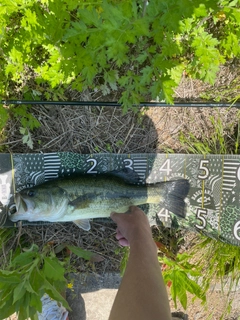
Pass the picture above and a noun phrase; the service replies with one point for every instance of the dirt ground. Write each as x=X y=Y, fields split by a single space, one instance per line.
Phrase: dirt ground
x=98 y=129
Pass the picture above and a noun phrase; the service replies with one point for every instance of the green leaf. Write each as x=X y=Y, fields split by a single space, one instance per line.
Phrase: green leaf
x=182 y=296
x=78 y=29
x=24 y=259
x=8 y=310
x=231 y=45
x=88 y=73
x=176 y=73
x=174 y=287
x=36 y=279
x=142 y=57
x=141 y=27
x=28 y=286
x=201 y=11
x=19 y=292
x=35 y=301
x=87 y=255
x=147 y=75
x=8 y=279
x=167 y=91
x=111 y=78
x=53 y=269
x=3 y=117
x=54 y=294
x=89 y=17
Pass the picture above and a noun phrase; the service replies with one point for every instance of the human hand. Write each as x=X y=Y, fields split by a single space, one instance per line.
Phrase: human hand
x=131 y=225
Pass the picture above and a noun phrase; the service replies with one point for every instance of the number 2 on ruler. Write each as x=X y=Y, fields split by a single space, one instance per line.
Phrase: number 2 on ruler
x=94 y=163
x=128 y=163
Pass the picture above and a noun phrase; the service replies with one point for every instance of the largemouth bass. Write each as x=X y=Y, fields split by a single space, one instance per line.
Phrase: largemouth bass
x=81 y=198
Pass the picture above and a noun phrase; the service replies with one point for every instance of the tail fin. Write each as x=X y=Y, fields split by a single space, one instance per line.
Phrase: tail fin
x=174 y=194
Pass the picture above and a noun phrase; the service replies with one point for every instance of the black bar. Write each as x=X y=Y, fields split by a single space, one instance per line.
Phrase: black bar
x=116 y=104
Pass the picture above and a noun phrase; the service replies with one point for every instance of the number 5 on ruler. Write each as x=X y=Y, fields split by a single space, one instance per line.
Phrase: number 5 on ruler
x=204 y=166
x=201 y=215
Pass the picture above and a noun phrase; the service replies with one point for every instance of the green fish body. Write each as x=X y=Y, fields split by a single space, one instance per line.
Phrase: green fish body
x=81 y=198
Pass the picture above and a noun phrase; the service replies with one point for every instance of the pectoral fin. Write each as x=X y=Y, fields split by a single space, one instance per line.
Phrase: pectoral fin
x=83 y=224
x=82 y=201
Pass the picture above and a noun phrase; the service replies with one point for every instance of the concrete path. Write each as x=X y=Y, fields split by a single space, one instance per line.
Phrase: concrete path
x=92 y=295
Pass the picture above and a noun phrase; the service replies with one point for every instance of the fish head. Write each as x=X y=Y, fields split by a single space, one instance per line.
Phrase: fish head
x=39 y=204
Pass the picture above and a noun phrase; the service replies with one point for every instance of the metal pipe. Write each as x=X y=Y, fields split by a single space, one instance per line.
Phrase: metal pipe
x=209 y=104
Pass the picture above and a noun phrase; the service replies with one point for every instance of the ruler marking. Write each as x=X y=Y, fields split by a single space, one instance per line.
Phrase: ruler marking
x=225 y=185
x=234 y=163
x=140 y=167
x=51 y=159
x=203 y=187
x=230 y=169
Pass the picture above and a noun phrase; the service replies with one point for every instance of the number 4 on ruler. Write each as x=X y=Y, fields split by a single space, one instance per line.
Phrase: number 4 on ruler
x=166 y=167
x=164 y=213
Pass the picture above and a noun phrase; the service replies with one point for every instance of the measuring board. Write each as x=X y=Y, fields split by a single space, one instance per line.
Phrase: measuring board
x=213 y=204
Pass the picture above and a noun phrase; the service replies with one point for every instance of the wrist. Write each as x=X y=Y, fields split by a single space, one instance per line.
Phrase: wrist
x=143 y=243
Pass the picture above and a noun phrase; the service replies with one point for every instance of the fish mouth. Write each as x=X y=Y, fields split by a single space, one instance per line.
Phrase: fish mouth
x=21 y=204
x=20 y=207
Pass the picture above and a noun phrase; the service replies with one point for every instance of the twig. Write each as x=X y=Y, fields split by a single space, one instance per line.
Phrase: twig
x=19 y=232
x=145 y=3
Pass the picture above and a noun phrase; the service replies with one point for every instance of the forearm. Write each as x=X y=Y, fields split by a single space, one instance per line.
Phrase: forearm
x=142 y=294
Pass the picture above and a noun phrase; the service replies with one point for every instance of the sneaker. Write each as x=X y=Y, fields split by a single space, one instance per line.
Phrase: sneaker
x=179 y=316
x=51 y=310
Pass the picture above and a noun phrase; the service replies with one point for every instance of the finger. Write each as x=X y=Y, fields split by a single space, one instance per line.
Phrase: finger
x=119 y=235
x=123 y=242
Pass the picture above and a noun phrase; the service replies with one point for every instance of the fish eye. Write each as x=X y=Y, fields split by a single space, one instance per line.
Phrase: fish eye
x=31 y=193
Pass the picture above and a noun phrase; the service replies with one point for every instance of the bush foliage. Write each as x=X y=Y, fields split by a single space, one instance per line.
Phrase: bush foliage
x=28 y=272
x=139 y=48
